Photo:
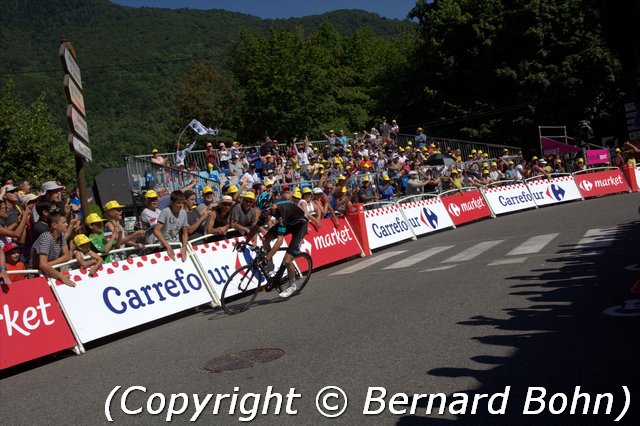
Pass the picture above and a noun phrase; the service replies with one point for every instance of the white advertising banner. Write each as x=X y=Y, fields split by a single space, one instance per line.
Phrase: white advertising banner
x=509 y=198
x=426 y=216
x=554 y=190
x=130 y=293
x=638 y=175
x=385 y=225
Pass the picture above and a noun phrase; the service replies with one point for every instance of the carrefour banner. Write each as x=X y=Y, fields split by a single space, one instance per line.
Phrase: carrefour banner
x=509 y=198
x=126 y=294
x=465 y=207
x=426 y=216
x=31 y=323
x=553 y=191
x=385 y=225
x=601 y=183
x=330 y=244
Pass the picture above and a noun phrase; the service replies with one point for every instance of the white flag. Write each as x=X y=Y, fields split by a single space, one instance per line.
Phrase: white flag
x=198 y=127
x=181 y=155
x=213 y=132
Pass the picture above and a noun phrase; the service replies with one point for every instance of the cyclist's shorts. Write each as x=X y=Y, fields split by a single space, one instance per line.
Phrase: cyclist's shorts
x=297 y=231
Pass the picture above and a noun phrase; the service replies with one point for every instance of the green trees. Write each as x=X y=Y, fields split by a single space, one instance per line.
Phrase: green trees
x=33 y=146
x=492 y=70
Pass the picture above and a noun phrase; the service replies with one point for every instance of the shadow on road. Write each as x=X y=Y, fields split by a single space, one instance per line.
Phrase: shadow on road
x=562 y=340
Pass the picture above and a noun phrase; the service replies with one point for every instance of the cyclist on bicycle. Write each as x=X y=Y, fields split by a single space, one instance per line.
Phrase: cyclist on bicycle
x=290 y=220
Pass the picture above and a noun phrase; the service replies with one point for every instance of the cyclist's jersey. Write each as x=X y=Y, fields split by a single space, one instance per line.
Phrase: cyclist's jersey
x=287 y=214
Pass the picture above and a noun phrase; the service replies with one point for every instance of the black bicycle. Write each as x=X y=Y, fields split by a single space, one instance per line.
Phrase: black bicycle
x=244 y=285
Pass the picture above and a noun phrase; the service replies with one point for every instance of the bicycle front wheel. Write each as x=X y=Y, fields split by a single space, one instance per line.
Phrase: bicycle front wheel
x=241 y=289
x=303 y=266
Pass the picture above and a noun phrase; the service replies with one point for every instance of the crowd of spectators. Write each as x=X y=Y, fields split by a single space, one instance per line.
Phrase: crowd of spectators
x=45 y=230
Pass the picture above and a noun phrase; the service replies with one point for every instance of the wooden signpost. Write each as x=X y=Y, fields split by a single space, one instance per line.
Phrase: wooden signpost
x=76 y=116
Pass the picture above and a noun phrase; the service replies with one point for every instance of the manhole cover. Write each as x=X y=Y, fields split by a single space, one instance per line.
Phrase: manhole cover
x=244 y=359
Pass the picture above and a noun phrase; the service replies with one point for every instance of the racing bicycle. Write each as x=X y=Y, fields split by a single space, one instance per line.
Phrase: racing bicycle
x=244 y=285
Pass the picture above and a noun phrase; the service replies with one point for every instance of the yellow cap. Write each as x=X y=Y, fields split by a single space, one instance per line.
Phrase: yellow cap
x=342 y=177
x=534 y=158
x=80 y=240
x=209 y=166
x=473 y=151
x=331 y=131
x=385 y=177
x=306 y=190
x=153 y=151
x=419 y=129
x=93 y=218
x=207 y=189
x=232 y=189
x=250 y=195
x=485 y=172
x=493 y=163
x=365 y=179
x=113 y=204
x=296 y=193
x=485 y=155
x=409 y=143
x=344 y=189
x=580 y=160
x=151 y=194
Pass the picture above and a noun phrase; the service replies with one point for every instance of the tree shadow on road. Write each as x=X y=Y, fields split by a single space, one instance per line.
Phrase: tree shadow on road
x=562 y=340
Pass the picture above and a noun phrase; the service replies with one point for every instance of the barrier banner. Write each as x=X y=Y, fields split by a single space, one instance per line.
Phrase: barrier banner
x=637 y=175
x=129 y=293
x=219 y=260
x=509 y=198
x=553 y=191
x=328 y=244
x=426 y=216
x=31 y=323
x=466 y=207
x=601 y=183
x=385 y=225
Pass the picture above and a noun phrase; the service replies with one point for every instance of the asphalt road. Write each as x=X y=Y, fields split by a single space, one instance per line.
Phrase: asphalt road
x=465 y=325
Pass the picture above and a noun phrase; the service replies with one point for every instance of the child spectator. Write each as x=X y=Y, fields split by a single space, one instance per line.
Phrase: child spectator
x=51 y=249
x=98 y=240
x=13 y=263
x=83 y=249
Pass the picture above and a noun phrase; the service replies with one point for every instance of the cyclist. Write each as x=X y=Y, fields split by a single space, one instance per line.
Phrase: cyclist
x=290 y=219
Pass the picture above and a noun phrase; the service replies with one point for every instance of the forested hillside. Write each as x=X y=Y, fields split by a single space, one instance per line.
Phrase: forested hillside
x=132 y=61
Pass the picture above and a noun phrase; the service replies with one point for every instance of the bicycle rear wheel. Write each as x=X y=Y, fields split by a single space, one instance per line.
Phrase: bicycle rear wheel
x=241 y=289
x=304 y=266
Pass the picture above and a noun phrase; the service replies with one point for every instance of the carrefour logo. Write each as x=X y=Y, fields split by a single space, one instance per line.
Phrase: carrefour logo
x=555 y=192
x=454 y=209
x=585 y=185
x=429 y=218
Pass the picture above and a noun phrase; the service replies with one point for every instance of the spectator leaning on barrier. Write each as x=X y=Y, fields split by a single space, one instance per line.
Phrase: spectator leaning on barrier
x=196 y=218
x=99 y=242
x=244 y=215
x=113 y=227
x=366 y=193
x=173 y=226
x=82 y=249
x=51 y=249
x=218 y=223
x=207 y=198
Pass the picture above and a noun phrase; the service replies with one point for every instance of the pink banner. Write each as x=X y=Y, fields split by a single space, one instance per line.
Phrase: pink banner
x=598 y=156
x=551 y=146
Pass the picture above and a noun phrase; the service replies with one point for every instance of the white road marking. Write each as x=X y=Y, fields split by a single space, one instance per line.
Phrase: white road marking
x=369 y=262
x=597 y=238
x=419 y=257
x=439 y=268
x=533 y=245
x=473 y=251
x=509 y=261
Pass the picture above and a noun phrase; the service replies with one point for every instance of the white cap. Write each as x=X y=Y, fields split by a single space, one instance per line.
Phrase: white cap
x=317 y=190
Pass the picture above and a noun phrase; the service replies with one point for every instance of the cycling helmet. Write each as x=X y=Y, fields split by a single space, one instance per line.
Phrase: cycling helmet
x=264 y=201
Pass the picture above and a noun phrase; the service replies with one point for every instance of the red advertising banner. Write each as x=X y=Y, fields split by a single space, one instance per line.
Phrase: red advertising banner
x=31 y=323
x=601 y=183
x=329 y=244
x=466 y=207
